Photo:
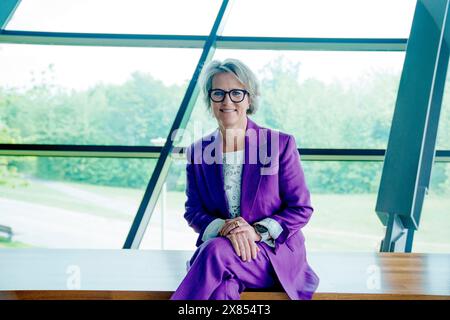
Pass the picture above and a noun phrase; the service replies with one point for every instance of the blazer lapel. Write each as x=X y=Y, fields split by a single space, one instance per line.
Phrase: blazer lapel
x=251 y=176
x=214 y=172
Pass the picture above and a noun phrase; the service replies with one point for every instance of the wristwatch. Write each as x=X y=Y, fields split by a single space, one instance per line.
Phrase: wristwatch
x=262 y=231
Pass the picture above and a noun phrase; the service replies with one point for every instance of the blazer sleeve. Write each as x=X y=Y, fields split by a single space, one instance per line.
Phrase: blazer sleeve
x=195 y=214
x=296 y=208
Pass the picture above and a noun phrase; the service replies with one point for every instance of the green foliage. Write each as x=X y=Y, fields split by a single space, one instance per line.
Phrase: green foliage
x=8 y=171
x=133 y=173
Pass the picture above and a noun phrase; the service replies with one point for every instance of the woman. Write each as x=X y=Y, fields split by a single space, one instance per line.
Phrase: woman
x=246 y=197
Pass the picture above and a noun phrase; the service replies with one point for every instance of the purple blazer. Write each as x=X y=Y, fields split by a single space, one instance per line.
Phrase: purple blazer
x=273 y=186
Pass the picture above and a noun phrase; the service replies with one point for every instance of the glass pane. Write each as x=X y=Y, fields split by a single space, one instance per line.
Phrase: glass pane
x=168 y=230
x=91 y=95
x=116 y=16
x=200 y=124
x=343 y=196
x=321 y=18
x=434 y=228
x=54 y=202
x=325 y=99
x=443 y=135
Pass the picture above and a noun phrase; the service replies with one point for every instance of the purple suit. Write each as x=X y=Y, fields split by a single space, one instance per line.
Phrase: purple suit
x=273 y=186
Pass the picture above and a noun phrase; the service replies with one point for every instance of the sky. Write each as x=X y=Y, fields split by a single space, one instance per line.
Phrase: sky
x=81 y=67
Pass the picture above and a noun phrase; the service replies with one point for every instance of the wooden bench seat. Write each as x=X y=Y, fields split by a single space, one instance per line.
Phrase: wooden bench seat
x=153 y=274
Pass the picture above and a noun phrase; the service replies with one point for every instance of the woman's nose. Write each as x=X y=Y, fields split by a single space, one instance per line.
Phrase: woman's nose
x=227 y=99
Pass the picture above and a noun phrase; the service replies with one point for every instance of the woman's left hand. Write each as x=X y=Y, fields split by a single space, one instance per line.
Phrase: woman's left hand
x=231 y=224
x=248 y=230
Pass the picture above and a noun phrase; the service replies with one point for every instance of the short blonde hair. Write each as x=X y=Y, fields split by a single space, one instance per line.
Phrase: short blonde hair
x=242 y=73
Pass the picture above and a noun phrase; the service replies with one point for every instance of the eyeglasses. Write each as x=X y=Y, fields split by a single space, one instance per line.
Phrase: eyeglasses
x=236 y=95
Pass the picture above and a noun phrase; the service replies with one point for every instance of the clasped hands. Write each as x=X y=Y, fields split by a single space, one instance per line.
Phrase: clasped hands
x=242 y=236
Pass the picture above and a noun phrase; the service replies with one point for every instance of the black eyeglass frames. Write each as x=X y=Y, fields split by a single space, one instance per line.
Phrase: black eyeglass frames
x=236 y=95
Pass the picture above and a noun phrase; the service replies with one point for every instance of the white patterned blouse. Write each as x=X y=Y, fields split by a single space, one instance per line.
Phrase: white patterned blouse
x=232 y=174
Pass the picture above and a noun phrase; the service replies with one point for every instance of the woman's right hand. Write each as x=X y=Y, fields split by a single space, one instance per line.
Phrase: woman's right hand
x=244 y=247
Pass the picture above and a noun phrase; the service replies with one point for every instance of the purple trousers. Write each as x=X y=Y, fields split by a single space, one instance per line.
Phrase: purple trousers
x=217 y=273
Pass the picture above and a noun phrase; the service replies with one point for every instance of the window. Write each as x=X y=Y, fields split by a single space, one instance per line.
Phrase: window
x=321 y=18
x=91 y=95
x=52 y=202
x=116 y=16
x=443 y=135
x=433 y=234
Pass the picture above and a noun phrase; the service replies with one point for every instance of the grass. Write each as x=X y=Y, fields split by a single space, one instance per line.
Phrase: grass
x=38 y=193
x=6 y=244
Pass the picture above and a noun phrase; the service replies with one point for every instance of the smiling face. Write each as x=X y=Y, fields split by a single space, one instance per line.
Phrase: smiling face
x=229 y=114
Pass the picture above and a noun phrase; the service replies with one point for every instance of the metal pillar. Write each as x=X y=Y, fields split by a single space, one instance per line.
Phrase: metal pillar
x=412 y=140
x=7 y=9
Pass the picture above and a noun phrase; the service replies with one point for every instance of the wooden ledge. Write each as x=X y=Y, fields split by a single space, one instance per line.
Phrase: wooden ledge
x=165 y=295
x=48 y=274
